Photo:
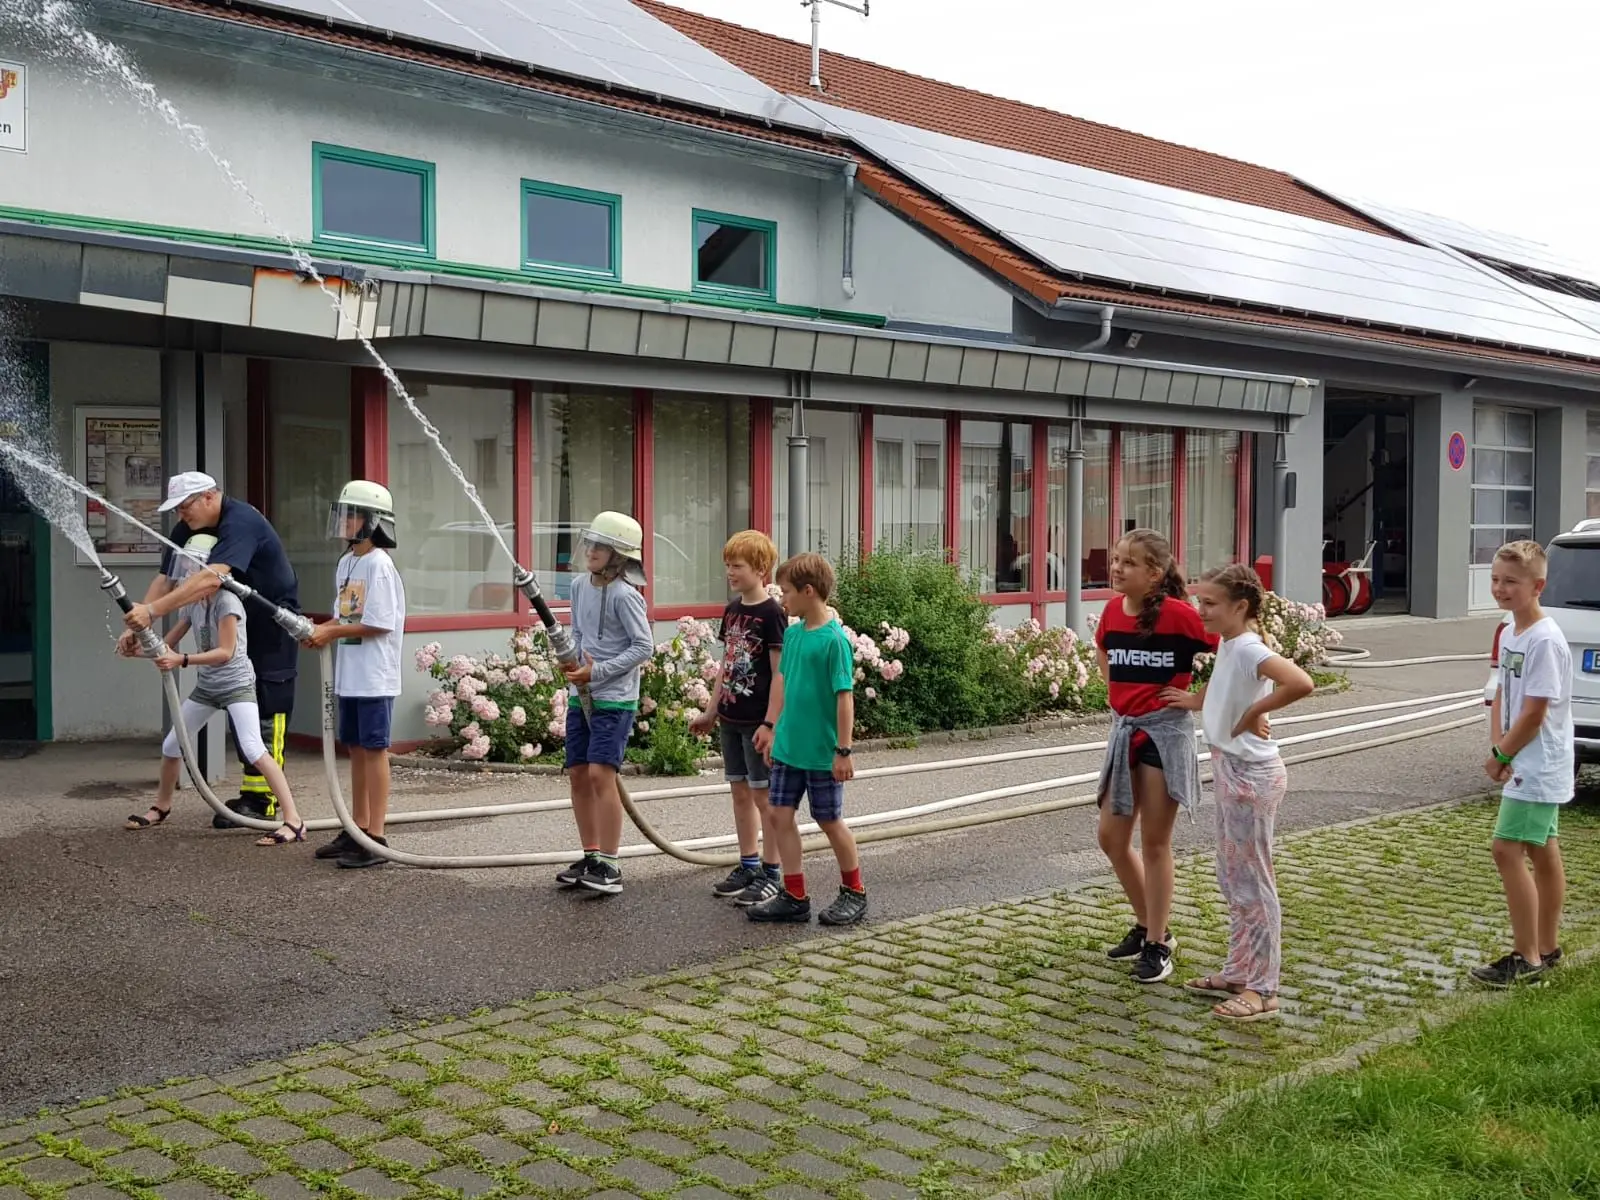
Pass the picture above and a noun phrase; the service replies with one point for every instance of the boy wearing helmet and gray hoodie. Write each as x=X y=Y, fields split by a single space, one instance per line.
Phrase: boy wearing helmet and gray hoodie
x=369 y=620
x=612 y=632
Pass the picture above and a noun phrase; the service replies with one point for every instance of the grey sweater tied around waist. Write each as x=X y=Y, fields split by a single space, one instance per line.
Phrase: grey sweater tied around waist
x=1172 y=731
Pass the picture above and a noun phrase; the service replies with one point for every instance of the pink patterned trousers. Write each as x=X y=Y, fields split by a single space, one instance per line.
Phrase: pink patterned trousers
x=1248 y=794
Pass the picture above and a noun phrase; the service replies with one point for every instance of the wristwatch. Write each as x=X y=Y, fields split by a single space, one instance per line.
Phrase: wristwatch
x=766 y=724
x=843 y=751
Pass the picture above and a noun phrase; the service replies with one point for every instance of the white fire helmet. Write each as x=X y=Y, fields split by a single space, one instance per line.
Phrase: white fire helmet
x=622 y=535
x=196 y=552
x=373 y=504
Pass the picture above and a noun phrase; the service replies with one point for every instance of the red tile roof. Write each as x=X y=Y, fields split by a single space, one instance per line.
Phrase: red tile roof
x=961 y=112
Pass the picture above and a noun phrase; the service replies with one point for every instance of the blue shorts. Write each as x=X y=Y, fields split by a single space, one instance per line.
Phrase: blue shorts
x=365 y=721
x=601 y=739
x=790 y=784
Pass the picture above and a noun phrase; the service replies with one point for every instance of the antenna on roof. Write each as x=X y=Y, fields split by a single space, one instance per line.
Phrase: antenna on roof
x=864 y=8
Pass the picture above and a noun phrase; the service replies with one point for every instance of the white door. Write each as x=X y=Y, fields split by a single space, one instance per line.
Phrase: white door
x=1502 y=490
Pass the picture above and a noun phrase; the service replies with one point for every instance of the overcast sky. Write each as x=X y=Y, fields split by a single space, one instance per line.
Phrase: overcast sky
x=1485 y=112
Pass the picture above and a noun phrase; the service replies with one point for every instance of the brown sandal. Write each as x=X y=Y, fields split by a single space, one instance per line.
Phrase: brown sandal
x=1247 y=1006
x=138 y=821
x=1212 y=985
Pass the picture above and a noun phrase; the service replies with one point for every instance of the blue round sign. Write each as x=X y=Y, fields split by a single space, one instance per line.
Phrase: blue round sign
x=1457 y=450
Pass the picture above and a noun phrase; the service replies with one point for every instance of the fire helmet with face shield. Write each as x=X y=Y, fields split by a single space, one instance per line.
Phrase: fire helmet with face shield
x=373 y=504
x=624 y=537
x=196 y=553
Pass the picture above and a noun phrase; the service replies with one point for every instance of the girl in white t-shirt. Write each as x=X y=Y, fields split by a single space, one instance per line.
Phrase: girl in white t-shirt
x=1248 y=778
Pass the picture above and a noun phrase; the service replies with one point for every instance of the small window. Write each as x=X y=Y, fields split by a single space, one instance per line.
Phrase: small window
x=372 y=200
x=735 y=254
x=570 y=230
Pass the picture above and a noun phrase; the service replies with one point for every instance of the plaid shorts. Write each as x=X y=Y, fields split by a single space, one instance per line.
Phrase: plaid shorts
x=790 y=784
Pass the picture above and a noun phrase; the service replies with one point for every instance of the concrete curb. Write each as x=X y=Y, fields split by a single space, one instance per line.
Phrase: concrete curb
x=713 y=762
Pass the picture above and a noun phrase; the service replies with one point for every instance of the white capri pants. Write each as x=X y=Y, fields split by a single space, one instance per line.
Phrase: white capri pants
x=246 y=727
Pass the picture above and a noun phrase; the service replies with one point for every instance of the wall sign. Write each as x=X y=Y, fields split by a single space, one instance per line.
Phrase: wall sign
x=13 y=107
x=119 y=456
x=1456 y=450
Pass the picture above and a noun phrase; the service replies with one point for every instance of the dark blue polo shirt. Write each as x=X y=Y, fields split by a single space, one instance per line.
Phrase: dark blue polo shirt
x=251 y=547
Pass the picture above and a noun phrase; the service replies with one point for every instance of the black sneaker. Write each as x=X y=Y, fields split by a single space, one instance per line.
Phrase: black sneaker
x=738 y=879
x=1549 y=960
x=358 y=857
x=847 y=908
x=1129 y=946
x=600 y=876
x=760 y=890
x=1506 y=972
x=570 y=877
x=341 y=845
x=1155 y=963
x=782 y=907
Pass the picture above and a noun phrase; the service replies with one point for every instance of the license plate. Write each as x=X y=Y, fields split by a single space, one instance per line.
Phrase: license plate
x=1591 y=662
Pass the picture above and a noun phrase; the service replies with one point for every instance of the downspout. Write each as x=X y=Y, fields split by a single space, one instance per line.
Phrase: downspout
x=1107 y=311
x=849 y=281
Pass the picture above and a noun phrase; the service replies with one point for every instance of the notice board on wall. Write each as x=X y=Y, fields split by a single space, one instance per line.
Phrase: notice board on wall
x=119 y=457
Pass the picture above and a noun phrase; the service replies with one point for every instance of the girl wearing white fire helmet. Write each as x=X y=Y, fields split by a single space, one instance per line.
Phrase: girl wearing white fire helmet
x=369 y=620
x=613 y=639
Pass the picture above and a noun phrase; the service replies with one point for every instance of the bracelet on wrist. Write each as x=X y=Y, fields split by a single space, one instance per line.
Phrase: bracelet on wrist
x=1501 y=757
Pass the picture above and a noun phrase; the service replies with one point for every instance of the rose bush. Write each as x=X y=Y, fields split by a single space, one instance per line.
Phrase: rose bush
x=498 y=708
x=1299 y=632
x=1058 y=666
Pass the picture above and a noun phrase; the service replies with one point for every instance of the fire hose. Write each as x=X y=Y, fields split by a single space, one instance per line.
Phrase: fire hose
x=694 y=851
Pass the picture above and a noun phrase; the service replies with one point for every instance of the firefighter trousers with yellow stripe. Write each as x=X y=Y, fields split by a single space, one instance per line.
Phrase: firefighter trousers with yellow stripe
x=275 y=699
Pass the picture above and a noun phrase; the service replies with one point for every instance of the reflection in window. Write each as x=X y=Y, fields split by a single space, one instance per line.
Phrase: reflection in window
x=734 y=253
x=309 y=410
x=702 y=485
x=449 y=559
x=582 y=465
x=833 y=466
x=908 y=449
x=373 y=198
x=1211 y=501
x=1146 y=479
x=996 y=504
x=569 y=229
x=1096 y=567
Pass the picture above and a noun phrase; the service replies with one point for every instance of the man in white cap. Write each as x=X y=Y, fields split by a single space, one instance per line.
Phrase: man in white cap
x=249 y=549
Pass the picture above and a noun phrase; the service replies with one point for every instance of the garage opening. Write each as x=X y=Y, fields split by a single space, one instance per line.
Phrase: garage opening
x=1366 y=506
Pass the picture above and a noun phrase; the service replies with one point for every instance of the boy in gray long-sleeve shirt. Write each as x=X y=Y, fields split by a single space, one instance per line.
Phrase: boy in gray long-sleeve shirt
x=612 y=631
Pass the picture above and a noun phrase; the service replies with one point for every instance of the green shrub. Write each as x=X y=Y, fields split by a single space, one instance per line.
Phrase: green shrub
x=955 y=675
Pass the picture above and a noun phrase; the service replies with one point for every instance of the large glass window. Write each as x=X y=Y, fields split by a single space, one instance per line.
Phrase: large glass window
x=735 y=254
x=569 y=229
x=449 y=559
x=833 y=468
x=996 y=503
x=372 y=199
x=1146 y=479
x=908 y=481
x=308 y=409
x=1502 y=478
x=702 y=485
x=1592 y=484
x=1096 y=566
x=1211 y=503
x=582 y=465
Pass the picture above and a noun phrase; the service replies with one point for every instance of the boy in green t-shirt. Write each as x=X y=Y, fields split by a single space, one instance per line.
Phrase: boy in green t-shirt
x=806 y=738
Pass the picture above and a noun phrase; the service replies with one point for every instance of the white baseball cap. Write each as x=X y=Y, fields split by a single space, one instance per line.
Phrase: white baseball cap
x=182 y=487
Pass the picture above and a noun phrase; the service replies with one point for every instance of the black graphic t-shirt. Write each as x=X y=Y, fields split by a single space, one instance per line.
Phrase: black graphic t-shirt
x=750 y=632
x=1140 y=667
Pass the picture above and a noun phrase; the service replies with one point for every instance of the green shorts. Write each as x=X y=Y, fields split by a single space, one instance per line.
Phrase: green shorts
x=1527 y=821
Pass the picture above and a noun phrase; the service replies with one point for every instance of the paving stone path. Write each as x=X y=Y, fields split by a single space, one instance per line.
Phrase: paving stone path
x=949 y=1055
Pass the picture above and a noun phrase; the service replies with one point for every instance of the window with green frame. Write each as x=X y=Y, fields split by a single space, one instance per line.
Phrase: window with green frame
x=736 y=256
x=571 y=230
x=360 y=198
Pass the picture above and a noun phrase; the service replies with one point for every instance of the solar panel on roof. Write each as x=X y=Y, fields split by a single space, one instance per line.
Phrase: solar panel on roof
x=603 y=41
x=1095 y=224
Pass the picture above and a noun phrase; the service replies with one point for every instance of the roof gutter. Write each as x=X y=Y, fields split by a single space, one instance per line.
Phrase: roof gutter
x=1106 y=311
x=1372 y=348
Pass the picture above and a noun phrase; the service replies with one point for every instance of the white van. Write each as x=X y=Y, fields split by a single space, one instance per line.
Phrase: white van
x=1572 y=599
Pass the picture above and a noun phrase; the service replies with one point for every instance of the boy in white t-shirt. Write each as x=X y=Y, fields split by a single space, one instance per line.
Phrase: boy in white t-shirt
x=369 y=620
x=1532 y=755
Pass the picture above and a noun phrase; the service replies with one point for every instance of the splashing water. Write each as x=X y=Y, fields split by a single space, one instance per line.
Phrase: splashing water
x=59 y=23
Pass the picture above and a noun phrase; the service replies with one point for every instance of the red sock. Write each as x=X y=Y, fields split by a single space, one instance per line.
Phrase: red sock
x=852 y=880
x=795 y=885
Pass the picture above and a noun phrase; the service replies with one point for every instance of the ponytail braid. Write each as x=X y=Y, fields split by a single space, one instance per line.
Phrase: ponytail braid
x=1158 y=553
